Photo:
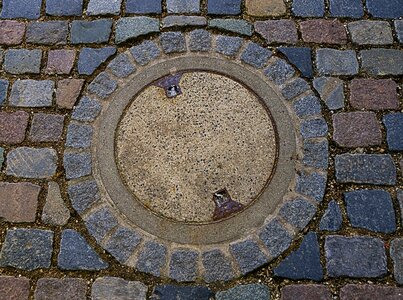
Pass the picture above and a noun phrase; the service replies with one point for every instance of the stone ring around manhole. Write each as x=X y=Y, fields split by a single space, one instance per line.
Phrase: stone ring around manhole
x=196 y=165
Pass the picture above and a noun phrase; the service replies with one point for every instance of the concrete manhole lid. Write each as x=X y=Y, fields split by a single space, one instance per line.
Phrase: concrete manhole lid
x=182 y=155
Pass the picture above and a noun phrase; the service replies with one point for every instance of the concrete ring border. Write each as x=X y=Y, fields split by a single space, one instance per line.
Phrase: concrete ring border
x=138 y=249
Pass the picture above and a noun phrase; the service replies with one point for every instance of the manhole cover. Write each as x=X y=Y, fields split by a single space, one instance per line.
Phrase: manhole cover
x=180 y=154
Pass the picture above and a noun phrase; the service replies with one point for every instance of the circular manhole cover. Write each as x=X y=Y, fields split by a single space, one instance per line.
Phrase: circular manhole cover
x=200 y=154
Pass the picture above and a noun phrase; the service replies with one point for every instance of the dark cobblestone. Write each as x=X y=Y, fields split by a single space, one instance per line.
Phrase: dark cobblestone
x=275 y=237
x=91 y=58
x=399 y=30
x=362 y=292
x=380 y=9
x=103 y=85
x=133 y=27
x=303 y=263
x=365 y=132
x=346 y=8
x=179 y=21
x=332 y=218
x=365 y=169
x=55 y=211
x=32 y=93
x=28 y=9
x=331 y=91
x=355 y=256
x=248 y=255
x=100 y=223
x=145 y=52
x=59 y=289
x=122 y=243
x=336 y=62
x=97 y=31
x=103 y=7
x=217 y=266
x=47 y=33
x=14 y=288
x=82 y=195
x=67 y=92
x=143 y=7
x=382 y=61
x=79 y=136
x=311 y=185
x=170 y=292
x=301 y=58
x=64 y=8
x=228 y=45
x=224 y=7
x=371 y=210
x=183 y=6
x=60 y=61
x=11 y=32
x=86 y=110
x=76 y=254
x=121 y=66
x=396 y=252
x=232 y=25
x=28 y=162
x=22 y=61
x=152 y=258
x=173 y=42
x=313 y=8
x=314 y=128
x=323 y=31
x=279 y=71
x=77 y=165
x=316 y=154
x=307 y=106
x=13 y=126
x=200 y=40
x=256 y=55
x=294 y=88
x=277 y=31
x=306 y=291
x=370 y=32
x=183 y=265
x=27 y=249
x=118 y=289
x=394 y=128
x=298 y=212
x=46 y=127
x=247 y=291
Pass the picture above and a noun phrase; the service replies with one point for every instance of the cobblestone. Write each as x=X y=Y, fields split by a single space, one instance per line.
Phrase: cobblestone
x=303 y=263
x=121 y=66
x=18 y=201
x=365 y=169
x=46 y=127
x=307 y=106
x=275 y=237
x=143 y=7
x=13 y=126
x=76 y=254
x=86 y=110
x=103 y=7
x=336 y=62
x=301 y=58
x=314 y=128
x=145 y=52
x=332 y=218
x=82 y=195
x=79 y=136
x=122 y=243
x=180 y=21
x=331 y=91
x=173 y=42
x=295 y=88
x=224 y=7
x=22 y=61
x=371 y=210
x=359 y=256
x=306 y=291
x=394 y=128
x=47 y=33
x=279 y=71
x=103 y=85
x=14 y=287
x=133 y=27
x=183 y=265
x=11 y=32
x=298 y=212
x=60 y=61
x=346 y=8
x=1 y=157
x=370 y=32
x=200 y=40
x=152 y=258
x=28 y=162
x=362 y=291
x=389 y=10
x=228 y=45
x=67 y=92
x=365 y=132
x=399 y=30
x=27 y=249
x=311 y=185
x=316 y=154
x=32 y=93
x=28 y=9
x=55 y=211
x=91 y=58
x=118 y=289
x=323 y=31
x=97 y=31
x=77 y=165
x=396 y=252
x=3 y=90
x=65 y=8
x=255 y=55
x=313 y=8
x=248 y=255
x=183 y=6
x=277 y=31
x=167 y=292
x=232 y=25
x=247 y=291
x=100 y=223
x=263 y=8
x=382 y=61
x=217 y=266
x=59 y=289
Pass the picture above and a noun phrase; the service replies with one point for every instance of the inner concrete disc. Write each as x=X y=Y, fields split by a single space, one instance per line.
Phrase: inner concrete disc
x=207 y=144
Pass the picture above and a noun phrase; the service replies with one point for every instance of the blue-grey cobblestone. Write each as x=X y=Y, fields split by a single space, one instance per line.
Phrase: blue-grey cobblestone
x=183 y=265
x=27 y=9
x=91 y=58
x=311 y=185
x=3 y=90
x=217 y=266
x=301 y=58
x=121 y=66
x=173 y=42
x=381 y=62
x=145 y=52
x=298 y=212
x=133 y=27
x=100 y=223
x=82 y=195
x=332 y=218
x=32 y=93
x=307 y=106
x=256 y=55
x=312 y=8
x=97 y=31
x=232 y=25
x=104 y=7
x=152 y=258
x=122 y=243
x=77 y=165
x=103 y=85
x=276 y=238
x=64 y=8
x=336 y=62
x=22 y=61
x=79 y=136
x=314 y=128
x=279 y=71
x=228 y=45
x=294 y=88
x=200 y=40
x=143 y=7
x=183 y=6
x=394 y=131
x=247 y=291
x=248 y=255
x=316 y=154
x=86 y=110
x=346 y=8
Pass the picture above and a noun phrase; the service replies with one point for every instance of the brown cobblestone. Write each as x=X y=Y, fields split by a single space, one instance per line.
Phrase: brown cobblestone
x=60 y=61
x=306 y=291
x=277 y=31
x=356 y=129
x=60 y=289
x=376 y=94
x=13 y=288
x=11 y=32
x=68 y=91
x=46 y=127
x=18 y=201
x=13 y=126
x=370 y=291
x=262 y=8
x=323 y=31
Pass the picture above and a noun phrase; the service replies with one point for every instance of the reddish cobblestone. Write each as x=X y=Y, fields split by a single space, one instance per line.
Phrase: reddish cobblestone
x=13 y=288
x=18 y=201
x=13 y=126
x=60 y=289
x=368 y=291
x=60 y=61
x=376 y=94
x=11 y=32
x=46 y=127
x=323 y=31
x=306 y=291
x=277 y=31
x=68 y=91
x=356 y=129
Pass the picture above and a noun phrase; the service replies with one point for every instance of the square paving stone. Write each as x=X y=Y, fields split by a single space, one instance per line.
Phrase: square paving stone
x=60 y=289
x=79 y=136
x=104 y=7
x=14 y=287
x=27 y=249
x=183 y=6
x=394 y=131
x=100 y=223
x=64 y=8
x=152 y=258
x=336 y=62
x=47 y=33
x=314 y=128
x=228 y=45
x=399 y=29
x=183 y=265
x=145 y=52
x=121 y=66
x=312 y=8
x=232 y=25
x=275 y=237
x=224 y=7
x=200 y=40
x=357 y=257
x=298 y=212
x=217 y=266
x=13 y=126
x=346 y=8
x=143 y=7
x=117 y=289
x=46 y=127
x=295 y=88
x=86 y=110
x=27 y=9
x=60 y=61
x=277 y=31
x=263 y=8
x=248 y=255
x=103 y=85
x=173 y=42
x=97 y=31
x=22 y=61
x=11 y=32
x=279 y=71
x=255 y=55
x=77 y=165
x=32 y=93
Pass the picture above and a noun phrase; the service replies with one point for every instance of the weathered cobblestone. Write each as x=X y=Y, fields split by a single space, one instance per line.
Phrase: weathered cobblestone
x=183 y=6
x=232 y=25
x=346 y=8
x=122 y=243
x=263 y=8
x=166 y=292
x=18 y=201
x=82 y=195
x=46 y=127
x=294 y=88
x=311 y=185
x=396 y=252
x=365 y=132
x=22 y=61
x=76 y=254
x=180 y=21
x=55 y=211
x=133 y=27
x=217 y=266
x=28 y=162
x=370 y=32
x=118 y=289
x=277 y=31
x=145 y=52
x=173 y=42
x=336 y=62
x=275 y=237
x=152 y=258
x=359 y=256
x=32 y=93
x=58 y=289
x=143 y=7
x=255 y=55
x=14 y=287
x=298 y=212
x=91 y=58
x=303 y=263
x=64 y=8
x=77 y=165
x=228 y=45
x=86 y=110
x=314 y=128
x=248 y=255
x=394 y=128
x=323 y=31
x=247 y=291
x=183 y=265
x=11 y=32
x=60 y=61
x=47 y=33
x=307 y=106
x=379 y=9
x=382 y=61
x=331 y=91
x=313 y=8
x=100 y=223
x=299 y=57
x=224 y=7
x=28 y=9
x=200 y=40
x=316 y=154
x=279 y=71
x=13 y=126
x=67 y=92
x=306 y=291
x=79 y=136
x=97 y=31
x=362 y=291
x=332 y=218
x=103 y=7
x=365 y=168
x=27 y=249
x=121 y=66
x=371 y=210
x=103 y=85
x=3 y=90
